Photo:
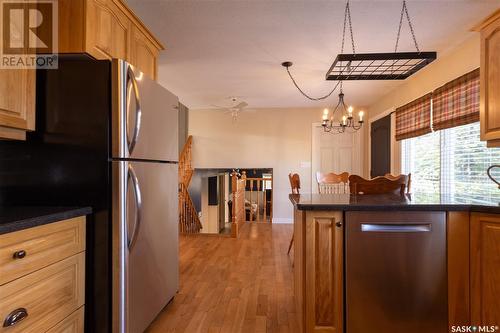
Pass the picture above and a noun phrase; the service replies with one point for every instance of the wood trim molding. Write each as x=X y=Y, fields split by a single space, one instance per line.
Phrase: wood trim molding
x=486 y=21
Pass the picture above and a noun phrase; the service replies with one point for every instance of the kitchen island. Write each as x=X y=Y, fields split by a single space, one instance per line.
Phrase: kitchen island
x=420 y=262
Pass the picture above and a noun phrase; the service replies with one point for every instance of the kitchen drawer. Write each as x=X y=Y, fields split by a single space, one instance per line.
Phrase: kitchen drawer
x=48 y=295
x=71 y=324
x=43 y=245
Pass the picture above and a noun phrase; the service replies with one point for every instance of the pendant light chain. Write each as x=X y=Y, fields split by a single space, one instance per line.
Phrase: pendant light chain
x=305 y=94
x=404 y=12
x=347 y=18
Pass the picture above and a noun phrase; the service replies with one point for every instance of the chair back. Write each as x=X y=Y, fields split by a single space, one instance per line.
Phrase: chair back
x=294 y=182
x=402 y=177
x=377 y=185
x=332 y=182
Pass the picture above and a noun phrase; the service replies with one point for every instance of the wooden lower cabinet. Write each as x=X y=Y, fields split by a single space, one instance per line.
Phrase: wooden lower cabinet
x=48 y=295
x=42 y=246
x=318 y=268
x=485 y=269
x=42 y=278
x=458 y=237
x=299 y=265
x=74 y=323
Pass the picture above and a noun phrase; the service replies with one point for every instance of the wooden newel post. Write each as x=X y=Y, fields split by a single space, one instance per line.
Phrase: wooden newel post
x=234 y=190
x=238 y=202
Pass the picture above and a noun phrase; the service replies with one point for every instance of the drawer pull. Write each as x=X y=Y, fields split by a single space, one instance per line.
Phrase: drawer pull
x=15 y=317
x=19 y=254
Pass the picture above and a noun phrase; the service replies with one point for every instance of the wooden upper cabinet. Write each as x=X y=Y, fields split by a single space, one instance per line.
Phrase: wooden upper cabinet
x=490 y=79
x=17 y=102
x=143 y=52
x=107 y=29
x=485 y=269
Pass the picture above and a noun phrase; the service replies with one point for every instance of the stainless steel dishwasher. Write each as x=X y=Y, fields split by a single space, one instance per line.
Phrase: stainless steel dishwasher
x=396 y=275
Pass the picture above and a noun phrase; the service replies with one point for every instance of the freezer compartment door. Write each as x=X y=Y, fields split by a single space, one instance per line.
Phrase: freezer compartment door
x=145 y=121
x=150 y=241
x=396 y=272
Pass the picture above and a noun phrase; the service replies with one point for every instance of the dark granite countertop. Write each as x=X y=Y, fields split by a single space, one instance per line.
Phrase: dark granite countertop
x=414 y=201
x=17 y=218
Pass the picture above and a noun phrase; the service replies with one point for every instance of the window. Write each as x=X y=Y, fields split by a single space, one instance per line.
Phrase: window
x=451 y=161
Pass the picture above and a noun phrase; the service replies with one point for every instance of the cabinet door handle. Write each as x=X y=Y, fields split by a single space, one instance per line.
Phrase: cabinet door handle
x=15 y=317
x=338 y=224
x=19 y=254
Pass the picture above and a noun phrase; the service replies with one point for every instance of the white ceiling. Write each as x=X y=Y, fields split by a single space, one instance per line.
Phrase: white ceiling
x=217 y=49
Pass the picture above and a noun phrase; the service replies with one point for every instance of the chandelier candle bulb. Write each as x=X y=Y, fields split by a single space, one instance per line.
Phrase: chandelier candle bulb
x=361 y=114
x=349 y=110
x=325 y=114
x=344 y=120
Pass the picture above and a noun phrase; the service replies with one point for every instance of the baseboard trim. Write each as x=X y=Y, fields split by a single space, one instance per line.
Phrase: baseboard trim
x=282 y=220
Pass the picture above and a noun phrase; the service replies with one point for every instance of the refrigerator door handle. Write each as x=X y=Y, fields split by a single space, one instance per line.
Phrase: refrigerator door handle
x=138 y=211
x=132 y=85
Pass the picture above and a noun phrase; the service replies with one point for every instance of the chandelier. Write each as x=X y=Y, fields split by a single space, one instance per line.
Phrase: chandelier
x=345 y=120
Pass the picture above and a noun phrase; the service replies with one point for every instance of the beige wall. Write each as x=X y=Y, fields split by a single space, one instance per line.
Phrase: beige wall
x=265 y=138
x=447 y=67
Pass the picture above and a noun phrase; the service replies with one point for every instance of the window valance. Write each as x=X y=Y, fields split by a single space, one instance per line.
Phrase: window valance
x=457 y=102
x=414 y=118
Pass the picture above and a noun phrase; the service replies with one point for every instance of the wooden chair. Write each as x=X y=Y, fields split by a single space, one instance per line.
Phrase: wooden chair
x=405 y=178
x=295 y=185
x=377 y=185
x=332 y=182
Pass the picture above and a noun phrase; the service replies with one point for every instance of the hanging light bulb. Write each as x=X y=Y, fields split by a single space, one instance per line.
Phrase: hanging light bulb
x=349 y=112
x=361 y=114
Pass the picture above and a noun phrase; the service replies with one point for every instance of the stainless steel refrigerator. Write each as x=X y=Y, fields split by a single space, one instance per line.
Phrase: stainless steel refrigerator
x=145 y=198
x=106 y=137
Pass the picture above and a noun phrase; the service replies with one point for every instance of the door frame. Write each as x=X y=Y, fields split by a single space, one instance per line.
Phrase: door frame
x=395 y=145
x=358 y=151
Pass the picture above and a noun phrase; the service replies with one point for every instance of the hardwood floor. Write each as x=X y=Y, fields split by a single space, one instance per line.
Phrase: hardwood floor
x=233 y=285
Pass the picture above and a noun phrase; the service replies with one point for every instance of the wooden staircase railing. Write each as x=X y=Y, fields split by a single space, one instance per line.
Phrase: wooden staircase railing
x=189 y=222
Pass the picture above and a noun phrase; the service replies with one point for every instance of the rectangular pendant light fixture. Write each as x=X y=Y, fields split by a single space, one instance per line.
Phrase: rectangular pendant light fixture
x=378 y=66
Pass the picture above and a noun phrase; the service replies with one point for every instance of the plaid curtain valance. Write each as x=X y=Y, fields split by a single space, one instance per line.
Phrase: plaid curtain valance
x=457 y=102
x=414 y=118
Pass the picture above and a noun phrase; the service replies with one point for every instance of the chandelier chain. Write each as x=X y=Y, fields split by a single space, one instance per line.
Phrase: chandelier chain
x=404 y=12
x=306 y=95
x=347 y=20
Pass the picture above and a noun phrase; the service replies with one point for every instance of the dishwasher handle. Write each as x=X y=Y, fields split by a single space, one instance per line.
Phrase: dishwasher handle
x=403 y=227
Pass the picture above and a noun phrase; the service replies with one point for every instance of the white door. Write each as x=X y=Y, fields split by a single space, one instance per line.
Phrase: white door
x=335 y=153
